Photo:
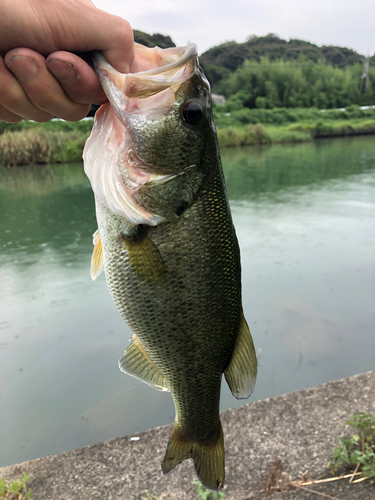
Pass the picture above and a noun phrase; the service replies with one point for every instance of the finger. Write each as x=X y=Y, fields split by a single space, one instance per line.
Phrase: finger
x=76 y=77
x=43 y=90
x=14 y=99
x=110 y=34
x=7 y=116
x=70 y=25
x=120 y=51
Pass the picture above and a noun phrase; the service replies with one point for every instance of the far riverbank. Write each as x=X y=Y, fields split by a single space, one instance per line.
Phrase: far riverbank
x=28 y=142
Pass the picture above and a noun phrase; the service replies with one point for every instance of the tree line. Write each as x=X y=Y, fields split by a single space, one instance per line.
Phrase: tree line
x=269 y=72
x=218 y=62
x=289 y=84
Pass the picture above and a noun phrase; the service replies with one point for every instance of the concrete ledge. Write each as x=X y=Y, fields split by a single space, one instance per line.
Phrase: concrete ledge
x=300 y=429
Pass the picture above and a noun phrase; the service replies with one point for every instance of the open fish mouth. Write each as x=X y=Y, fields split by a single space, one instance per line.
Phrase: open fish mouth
x=112 y=163
x=156 y=70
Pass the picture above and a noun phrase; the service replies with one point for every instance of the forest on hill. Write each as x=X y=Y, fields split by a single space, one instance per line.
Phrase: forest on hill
x=286 y=84
x=268 y=72
x=162 y=41
x=223 y=59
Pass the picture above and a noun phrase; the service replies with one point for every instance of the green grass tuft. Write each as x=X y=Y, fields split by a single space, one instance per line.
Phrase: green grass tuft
x=206 y=494
x=358 y=452
x=17 y=490
x=41 y=145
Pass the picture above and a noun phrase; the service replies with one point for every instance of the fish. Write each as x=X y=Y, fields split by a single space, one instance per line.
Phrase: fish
x=168 y=247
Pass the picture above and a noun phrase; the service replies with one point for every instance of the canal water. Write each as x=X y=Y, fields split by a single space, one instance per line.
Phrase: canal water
x=305 y=218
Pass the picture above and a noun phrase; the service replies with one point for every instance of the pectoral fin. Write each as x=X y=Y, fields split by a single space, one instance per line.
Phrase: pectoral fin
x=136 y=362
x=145 y=258
x=97 y=264
x=242 y=370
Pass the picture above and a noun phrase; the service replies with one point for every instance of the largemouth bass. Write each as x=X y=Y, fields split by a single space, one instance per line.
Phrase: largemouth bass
x=168 y=247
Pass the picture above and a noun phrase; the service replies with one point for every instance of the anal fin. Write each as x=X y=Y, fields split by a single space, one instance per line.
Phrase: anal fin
x=136 y=362
x=242 y=369
x=97 y=263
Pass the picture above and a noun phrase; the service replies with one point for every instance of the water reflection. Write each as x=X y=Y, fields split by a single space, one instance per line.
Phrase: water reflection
x=305 y=218
x=267 y=171
x=45 y=208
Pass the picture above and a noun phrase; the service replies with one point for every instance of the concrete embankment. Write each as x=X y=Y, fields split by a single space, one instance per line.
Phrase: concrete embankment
x=300 y=429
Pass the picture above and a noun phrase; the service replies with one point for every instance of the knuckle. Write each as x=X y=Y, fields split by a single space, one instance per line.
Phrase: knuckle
x=76 y=113
x=43 y=119
x=123 y=34
x=13 y=100
x=123 y=26
x=40 y=100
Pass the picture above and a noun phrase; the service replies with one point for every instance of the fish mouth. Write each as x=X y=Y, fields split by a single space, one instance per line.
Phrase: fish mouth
x=111 y=162
x=151 y=87
x=151 y=61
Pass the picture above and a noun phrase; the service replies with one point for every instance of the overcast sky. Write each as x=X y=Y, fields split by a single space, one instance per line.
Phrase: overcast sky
x=208 y=23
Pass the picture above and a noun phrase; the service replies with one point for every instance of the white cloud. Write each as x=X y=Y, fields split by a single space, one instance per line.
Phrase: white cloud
x=209 y=23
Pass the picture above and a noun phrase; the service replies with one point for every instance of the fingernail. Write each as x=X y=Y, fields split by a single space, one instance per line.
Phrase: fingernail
x=63 y=71
x=23 y=68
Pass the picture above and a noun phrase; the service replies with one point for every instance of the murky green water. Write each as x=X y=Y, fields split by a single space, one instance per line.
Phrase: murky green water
x=305 y=217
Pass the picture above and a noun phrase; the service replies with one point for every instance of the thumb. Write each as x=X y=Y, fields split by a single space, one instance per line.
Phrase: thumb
x=114 y=38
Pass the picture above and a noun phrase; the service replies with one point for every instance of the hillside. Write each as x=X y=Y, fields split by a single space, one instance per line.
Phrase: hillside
x=161 y=41
x=218 y=62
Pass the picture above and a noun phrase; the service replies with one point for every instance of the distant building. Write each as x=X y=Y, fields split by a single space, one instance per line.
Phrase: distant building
x=219 y=100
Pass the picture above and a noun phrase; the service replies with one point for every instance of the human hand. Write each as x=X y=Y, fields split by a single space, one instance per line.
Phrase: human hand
x=40 y=76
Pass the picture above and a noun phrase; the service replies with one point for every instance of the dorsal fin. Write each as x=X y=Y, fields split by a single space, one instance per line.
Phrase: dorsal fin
x=136 y=362
x=97 y=264
x=242 y=369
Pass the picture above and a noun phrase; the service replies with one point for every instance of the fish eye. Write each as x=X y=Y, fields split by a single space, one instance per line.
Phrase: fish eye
x=192 y=113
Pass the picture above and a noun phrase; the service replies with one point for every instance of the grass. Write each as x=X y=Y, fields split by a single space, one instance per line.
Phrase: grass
x=355 y=454
x=358 y=452
x=27 y=142
x=245 y=126
x=40 y=145
x=206 y=494
x=249 y=135
x=54 y=125
x=17 y=490
x=297 y=132
x=283 y=116
x=149 y=495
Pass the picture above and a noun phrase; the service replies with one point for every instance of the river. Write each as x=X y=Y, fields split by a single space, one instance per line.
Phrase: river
x=305 y=218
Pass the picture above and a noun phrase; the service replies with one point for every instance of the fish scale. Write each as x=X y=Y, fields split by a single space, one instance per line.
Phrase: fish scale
x=172 y=262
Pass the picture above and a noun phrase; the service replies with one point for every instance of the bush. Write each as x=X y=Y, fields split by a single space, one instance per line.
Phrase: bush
x=40 y=145
x=20 y=148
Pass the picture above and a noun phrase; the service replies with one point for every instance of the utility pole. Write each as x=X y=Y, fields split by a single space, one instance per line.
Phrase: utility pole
x=366 y=74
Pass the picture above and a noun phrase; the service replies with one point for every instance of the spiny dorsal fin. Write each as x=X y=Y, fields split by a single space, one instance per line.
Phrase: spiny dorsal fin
x=145 y=259
x=135 y=362
x=242 y=370
x=97 y=264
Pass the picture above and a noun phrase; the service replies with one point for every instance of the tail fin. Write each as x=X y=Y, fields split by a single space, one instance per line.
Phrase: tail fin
x=209 y=460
